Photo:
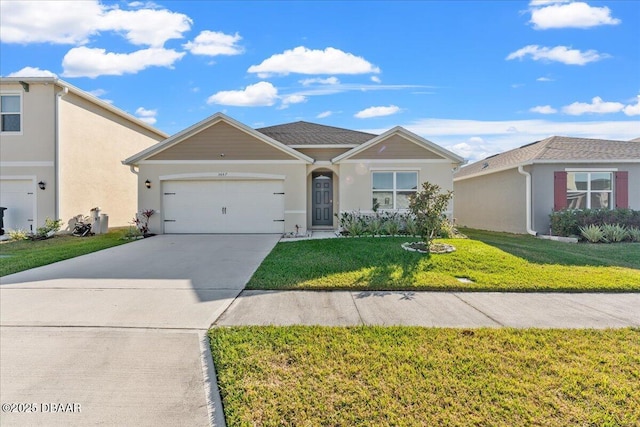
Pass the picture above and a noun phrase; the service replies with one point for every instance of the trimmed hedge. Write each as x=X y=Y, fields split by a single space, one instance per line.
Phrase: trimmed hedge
x=568 y=223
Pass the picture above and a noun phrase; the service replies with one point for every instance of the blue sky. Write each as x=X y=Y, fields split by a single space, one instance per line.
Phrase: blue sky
x=477 y=77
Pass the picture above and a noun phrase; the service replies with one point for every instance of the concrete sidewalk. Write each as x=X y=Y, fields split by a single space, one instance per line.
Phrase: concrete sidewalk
x=434 y=309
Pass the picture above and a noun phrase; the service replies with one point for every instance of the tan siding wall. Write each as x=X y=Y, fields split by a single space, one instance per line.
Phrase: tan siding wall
x=323 y=153
x=218 y=139
x=35 y=144
x=396 y=147
x=492 y=202
x=355 y=180
x=294 y=187
x=37 y=140
x=93 y=143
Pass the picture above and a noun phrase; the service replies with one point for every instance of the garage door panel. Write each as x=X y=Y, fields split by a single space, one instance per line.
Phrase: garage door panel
x=18 y=197
x=243 y=206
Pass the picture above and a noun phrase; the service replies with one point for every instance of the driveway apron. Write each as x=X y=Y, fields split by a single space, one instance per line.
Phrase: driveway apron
x=117 y=337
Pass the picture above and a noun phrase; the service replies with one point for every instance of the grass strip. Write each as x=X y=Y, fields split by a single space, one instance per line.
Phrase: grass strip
x=381 y=264
x=26 y=254
x=406 y=376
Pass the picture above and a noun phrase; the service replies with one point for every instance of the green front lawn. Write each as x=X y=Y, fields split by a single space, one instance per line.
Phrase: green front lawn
x=503 y=263
x=312 y=376
x=22 y=255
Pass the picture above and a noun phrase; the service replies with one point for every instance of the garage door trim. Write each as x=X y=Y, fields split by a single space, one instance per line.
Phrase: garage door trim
x=34 y=207
x=220 y=175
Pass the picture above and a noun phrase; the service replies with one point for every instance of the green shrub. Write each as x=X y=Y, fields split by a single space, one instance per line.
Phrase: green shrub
x=634 y=234
x=411 y=226
x=392 y=227
x=593 y=233
x=614 y=233
x=49 y=228
x=568 y=222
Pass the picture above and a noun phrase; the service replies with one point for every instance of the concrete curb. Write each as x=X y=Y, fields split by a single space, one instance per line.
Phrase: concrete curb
x=211 y=391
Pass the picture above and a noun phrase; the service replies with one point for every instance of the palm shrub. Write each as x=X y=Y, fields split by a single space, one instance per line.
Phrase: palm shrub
x=411 y=226
x=428 y=207
x=593 y=233
x=614 y=233
x=634 y=234
x=392 y=227
x=375 y=226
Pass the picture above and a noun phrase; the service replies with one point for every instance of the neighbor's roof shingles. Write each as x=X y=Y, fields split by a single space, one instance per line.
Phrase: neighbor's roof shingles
x=304 y=133
x=556 y=148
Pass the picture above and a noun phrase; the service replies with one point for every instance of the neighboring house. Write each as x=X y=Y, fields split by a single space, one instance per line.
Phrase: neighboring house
x=61 y=151
x=517 y=190
x=221 y=176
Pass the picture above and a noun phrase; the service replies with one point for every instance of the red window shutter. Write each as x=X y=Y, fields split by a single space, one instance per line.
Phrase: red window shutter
x=559 y=190
x=622 y=189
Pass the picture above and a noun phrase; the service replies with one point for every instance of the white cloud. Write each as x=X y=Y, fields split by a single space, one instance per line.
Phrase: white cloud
x=633 y=109
x=571 y=15
x=260 y=94
x=597 y=106
x=75 y=22
x=324 y=114
x=213 y=43
x=294 y=99
x=327 y=81
x=147 y=27
x=147 y=116
x=546 y=2
x=562 y=54
x=544 y=79
x=543 y=109
x=377 y=112
x=499 y=136
x=302 y=60
x=86 y=62
x=97 y=92
x=32 y=72
x=376 y=79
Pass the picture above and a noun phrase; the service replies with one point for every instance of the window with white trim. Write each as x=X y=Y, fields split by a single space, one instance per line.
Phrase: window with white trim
x=10 y=113
x=589 y=190
x=391 y=190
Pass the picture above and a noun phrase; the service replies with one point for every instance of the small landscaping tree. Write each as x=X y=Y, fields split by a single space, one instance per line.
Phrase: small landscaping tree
x=428 y=207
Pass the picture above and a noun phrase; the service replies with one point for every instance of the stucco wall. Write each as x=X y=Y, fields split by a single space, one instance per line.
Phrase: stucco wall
x=492 y=202
x=294 y=186
x=31 y=153
x=355 y=179
x=93 y=143
x=542 y=188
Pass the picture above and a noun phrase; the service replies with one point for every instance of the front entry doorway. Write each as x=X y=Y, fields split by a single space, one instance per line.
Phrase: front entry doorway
x=322 y=196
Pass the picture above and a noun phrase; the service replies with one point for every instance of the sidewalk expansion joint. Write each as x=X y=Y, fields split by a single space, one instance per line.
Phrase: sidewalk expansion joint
x=357 y=309
x=478 y=310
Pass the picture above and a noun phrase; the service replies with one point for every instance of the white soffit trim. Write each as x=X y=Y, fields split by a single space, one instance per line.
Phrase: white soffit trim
x=205 y=124
x=404 y=161
x=45 y=164
x=591 y=169
x=219 y=175
x=221 y=162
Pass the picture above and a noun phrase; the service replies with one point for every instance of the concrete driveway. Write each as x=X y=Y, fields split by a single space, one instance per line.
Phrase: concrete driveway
x=117 y=337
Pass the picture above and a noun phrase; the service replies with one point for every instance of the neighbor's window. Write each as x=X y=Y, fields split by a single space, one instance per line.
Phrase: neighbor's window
x=10 y=113
x=391 y=190
x=589 y=190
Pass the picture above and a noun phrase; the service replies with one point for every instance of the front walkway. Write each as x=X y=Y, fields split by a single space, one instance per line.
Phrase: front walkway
x=434 y=309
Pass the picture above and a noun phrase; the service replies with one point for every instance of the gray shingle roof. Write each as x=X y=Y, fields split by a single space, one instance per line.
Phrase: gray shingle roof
x=304 y=133
x=556 y=148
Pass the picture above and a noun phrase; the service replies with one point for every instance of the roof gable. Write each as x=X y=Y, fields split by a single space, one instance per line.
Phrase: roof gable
x=219 y=137
x=555 y=149
x=399 y=143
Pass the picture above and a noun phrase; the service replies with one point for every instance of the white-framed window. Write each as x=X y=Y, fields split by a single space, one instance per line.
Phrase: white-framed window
x=590 y=190
x=391 y=189
x=10 y=113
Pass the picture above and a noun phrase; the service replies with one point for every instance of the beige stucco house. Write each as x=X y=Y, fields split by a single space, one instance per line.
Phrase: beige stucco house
x=517 y=190
x=221 y=176
x=60 y=154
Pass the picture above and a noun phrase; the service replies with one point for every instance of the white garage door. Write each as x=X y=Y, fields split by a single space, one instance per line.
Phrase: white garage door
x=223 y=206
x=18 y=197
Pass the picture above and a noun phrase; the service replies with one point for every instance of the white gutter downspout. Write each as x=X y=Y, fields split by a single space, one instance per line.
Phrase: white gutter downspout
x=528 y=199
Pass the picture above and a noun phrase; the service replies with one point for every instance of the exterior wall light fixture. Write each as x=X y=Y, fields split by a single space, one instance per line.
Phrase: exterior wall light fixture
x=42 y=185
x=147 y=184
